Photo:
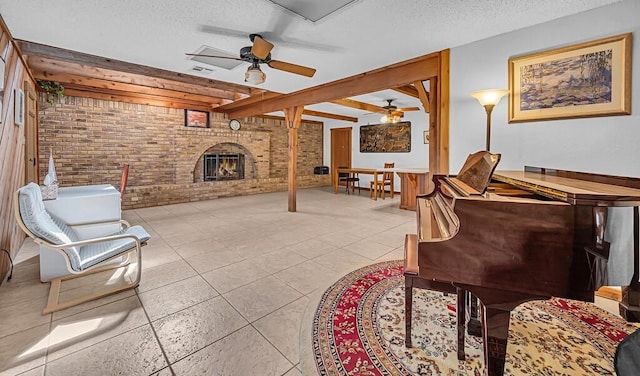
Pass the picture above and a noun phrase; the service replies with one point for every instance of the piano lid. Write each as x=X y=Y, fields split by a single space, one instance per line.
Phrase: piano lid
x=574 y=187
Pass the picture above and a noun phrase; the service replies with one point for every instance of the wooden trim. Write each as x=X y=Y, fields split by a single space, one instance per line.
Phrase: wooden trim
x=359 y=105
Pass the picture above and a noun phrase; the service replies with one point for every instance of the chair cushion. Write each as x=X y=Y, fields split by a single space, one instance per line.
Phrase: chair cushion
x=95 y=253
x=41 y=224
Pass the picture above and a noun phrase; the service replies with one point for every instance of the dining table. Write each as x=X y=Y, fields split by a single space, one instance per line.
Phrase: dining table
x=414 y=180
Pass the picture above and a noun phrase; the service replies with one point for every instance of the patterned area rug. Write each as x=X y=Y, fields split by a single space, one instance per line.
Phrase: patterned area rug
x=358 y=329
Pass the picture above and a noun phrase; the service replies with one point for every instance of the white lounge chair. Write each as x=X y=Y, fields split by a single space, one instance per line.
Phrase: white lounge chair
x=82 y=256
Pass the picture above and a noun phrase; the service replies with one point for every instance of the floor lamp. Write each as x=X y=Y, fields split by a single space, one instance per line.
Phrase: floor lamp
x=489 y=99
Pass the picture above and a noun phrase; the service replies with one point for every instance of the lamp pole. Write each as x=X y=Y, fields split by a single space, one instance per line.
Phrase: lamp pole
x=489 y=99
x=489 y=109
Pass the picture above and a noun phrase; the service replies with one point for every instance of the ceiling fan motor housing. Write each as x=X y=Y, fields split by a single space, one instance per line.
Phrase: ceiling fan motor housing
x=246 y=55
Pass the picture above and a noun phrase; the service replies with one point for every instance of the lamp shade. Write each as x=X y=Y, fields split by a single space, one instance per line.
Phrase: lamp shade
x=254 y=75
x=490 y=96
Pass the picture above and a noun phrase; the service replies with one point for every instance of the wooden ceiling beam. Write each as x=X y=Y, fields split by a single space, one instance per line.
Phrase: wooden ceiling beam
x=359 y=105
x=177 y=102
x=67 y=79
x=330 y=115
x=130 y=99
x=257 y=97
x=395 y=75
x=409 y=90
x=53 y=70
x=42 y=50
x=276 y=117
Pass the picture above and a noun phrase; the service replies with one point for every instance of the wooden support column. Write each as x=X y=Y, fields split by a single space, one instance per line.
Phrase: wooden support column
x=292 y=117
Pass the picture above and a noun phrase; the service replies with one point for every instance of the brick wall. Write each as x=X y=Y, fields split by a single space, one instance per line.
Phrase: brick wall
x=91 y=139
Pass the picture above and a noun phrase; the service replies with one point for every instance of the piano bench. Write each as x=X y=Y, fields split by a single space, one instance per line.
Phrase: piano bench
x=412 y=279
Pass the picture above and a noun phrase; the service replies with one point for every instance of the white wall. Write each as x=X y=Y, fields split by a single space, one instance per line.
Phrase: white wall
x=418 y=157
x=603 y=145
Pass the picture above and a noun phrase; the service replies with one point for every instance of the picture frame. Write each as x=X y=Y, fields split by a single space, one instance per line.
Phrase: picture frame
x=386 y=138
x=425 y=135
x=18 y=111
x=582 y=80
x=195 y=118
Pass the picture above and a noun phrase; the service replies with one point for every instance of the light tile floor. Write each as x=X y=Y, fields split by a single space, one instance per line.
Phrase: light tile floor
x=224 y=289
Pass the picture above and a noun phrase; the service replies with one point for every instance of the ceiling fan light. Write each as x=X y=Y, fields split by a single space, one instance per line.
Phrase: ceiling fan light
x=254 y=76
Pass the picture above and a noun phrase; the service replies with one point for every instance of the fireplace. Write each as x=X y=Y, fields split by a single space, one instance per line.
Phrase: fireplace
x=227 y=166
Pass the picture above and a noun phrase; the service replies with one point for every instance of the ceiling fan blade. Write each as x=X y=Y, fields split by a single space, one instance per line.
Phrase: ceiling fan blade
x=292 y=68
x=215 y=57
x=405 y=109
x=261 y=47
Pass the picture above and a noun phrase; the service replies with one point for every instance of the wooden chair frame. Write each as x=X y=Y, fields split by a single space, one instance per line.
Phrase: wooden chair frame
x=53 y=302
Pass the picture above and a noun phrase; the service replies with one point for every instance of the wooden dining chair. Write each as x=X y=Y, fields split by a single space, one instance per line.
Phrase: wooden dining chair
x=387 y=179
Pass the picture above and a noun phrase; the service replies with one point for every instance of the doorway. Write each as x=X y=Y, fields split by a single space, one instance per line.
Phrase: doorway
x=30 y=135
x=340 y=149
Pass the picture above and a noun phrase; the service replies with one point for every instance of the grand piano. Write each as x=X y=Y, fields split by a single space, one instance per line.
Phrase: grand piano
x=508 y=237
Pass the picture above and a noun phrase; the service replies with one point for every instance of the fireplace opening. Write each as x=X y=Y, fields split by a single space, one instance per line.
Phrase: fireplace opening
x=225 y=166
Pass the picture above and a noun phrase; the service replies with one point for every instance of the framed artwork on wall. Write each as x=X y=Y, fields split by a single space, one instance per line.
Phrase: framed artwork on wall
x=426 y=137
x=18 y=114
x=386 y=138
x=582 y=80
x=195 y=118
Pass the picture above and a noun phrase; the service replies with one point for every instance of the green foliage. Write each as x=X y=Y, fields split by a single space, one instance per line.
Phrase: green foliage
x=54 y=90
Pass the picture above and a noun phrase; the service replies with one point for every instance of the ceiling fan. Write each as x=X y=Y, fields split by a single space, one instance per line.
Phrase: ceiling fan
x=394 y=114
x=260 y=53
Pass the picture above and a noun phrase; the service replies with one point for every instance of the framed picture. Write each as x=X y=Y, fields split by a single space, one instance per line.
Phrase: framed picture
x=426 y=137
x=194 y=118
x=18 y=114
x=582 y=80
x=386 y=138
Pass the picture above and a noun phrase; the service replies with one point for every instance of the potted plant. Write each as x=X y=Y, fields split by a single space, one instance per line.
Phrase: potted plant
x=54 y=90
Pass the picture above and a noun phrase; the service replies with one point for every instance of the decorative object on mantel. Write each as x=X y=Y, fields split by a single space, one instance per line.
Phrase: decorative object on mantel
x=195 y=118
x=50 y=187
x=54 y=90
x=489 y=99
x=582 y=80
x=386 y=138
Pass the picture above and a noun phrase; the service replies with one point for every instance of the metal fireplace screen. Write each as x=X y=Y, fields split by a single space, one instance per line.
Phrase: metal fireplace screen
x=223 y=167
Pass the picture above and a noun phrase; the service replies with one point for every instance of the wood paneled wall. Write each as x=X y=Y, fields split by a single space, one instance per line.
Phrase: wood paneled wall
x=12 y=141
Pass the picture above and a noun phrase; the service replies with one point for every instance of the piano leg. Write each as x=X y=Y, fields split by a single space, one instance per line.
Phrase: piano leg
x=408 y=306
x=496 y=306
x=460 y=313
x=474 y=327
x=495 y=324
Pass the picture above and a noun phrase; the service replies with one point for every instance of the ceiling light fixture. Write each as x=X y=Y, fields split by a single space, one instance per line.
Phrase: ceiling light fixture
x=254 y=75
x=390 y=118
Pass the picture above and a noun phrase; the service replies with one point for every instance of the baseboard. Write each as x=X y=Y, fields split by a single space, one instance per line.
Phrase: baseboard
x=610 y=292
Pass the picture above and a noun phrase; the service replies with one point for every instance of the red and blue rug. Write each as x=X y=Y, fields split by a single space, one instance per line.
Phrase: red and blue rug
x=358 y=329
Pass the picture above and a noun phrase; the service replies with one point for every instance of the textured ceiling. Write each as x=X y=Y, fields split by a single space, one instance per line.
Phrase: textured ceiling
x=363 y=35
